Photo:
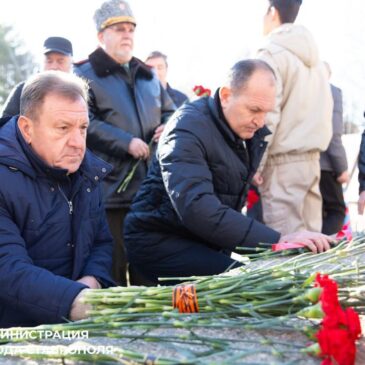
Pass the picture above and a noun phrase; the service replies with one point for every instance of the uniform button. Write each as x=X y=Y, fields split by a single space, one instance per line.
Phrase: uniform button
x=96 y=178
x=103 y=169
x=68 y=244
x=88 y=190
x=52 y=188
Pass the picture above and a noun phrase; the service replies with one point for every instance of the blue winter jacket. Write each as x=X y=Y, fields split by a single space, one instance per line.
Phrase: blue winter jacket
x=53 y=231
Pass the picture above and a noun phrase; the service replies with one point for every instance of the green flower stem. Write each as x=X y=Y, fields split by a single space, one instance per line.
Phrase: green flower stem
x=124 y=184
x=270 y=296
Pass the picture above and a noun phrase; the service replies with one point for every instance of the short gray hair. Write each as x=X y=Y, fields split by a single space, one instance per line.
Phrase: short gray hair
x=60 y=83
x=242 y=71
x=157 y=54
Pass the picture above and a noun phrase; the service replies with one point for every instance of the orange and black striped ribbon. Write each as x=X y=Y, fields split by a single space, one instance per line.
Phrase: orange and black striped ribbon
x=184 y=298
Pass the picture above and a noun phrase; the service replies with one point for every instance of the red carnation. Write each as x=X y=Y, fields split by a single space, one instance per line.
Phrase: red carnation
x=201 y=91
x=329 y=299
x=337 y=346
x=339 y=328
x=353 y=323
x=252 y=198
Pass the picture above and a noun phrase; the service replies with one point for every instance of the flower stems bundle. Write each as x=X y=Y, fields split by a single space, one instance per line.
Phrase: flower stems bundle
x=271 y=295
x=233 y=351
x=229 y=297
x=124 y=184
x=271 y=289
x=336 y=337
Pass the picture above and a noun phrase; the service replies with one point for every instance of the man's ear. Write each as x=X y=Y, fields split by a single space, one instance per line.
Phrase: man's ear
x=26 y=128
x=101 y=37
x=225 y=94
x=274 y=15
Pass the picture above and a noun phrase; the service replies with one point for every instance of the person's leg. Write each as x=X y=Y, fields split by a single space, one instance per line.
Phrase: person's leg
x=192 y=259
x=136 y=277
x=312 y=208
x=334 y=208
x=115 y=220
x=282 y=195
x=290 y=195
x=323 y=187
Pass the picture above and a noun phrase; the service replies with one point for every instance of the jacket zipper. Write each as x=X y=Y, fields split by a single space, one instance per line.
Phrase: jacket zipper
x=69 y=202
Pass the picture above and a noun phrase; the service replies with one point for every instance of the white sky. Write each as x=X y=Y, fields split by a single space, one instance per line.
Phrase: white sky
x=203 y=38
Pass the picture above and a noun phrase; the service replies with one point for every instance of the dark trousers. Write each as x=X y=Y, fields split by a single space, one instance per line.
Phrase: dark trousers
x=334 y=208
x=189 y=259
x=116 y=219
x=120 y=263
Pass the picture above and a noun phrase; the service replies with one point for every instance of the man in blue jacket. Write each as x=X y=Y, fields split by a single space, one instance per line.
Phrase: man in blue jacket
x=54 y=237
x=186 y=219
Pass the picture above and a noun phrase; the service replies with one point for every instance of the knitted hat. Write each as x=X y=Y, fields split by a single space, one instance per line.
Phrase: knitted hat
x=112 y=12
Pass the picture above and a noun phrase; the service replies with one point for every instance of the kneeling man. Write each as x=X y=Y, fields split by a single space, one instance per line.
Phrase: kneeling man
x=186 y=219
x=54 y=238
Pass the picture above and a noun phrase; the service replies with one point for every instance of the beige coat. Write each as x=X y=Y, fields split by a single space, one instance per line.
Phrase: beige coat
x=301 y=121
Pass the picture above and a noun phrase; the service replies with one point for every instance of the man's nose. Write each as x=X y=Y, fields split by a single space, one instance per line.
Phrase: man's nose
x=77 y=139
x=51 y=66
x=260 y=120
x=128 y=35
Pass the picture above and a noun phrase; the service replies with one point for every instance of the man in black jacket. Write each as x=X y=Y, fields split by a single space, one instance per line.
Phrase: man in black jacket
x=127 y=108
x=158 y=61
x=186 y=218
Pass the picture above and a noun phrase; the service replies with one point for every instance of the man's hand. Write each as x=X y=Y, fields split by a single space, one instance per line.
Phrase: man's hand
x=257 y=179
x=78 y=309
x=138 y=149
x=343 y=178
x=316 y=242
x=361 y=203
x=158 y=132
x=90 y=281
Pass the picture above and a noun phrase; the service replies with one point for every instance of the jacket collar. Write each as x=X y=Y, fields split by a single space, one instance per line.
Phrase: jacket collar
x=17 y=154
x=104 y=65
